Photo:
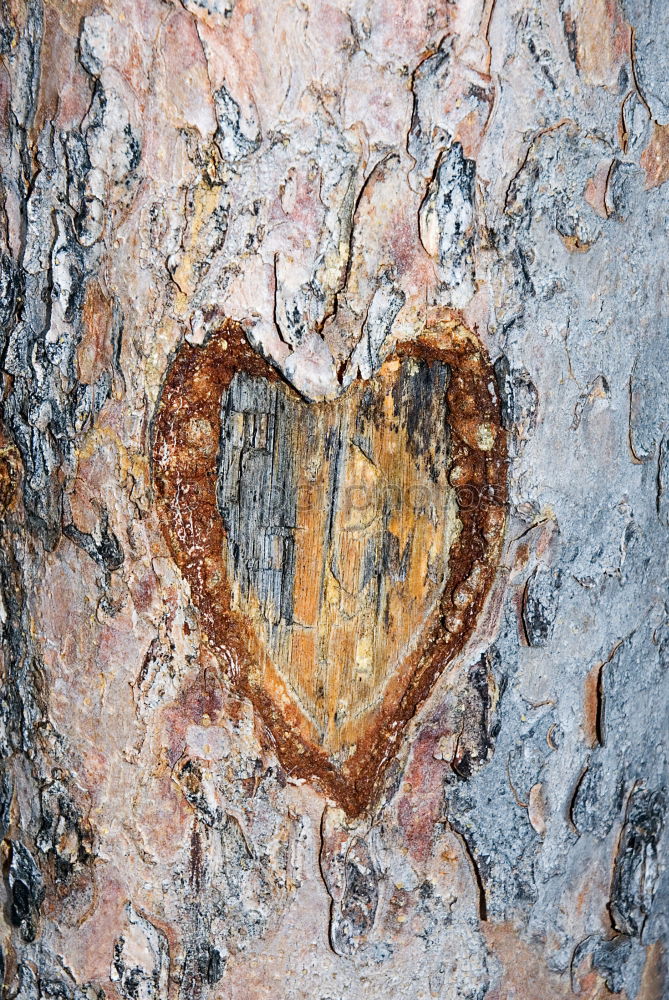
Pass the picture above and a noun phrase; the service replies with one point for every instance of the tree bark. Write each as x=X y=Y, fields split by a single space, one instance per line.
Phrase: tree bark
x=332 y=187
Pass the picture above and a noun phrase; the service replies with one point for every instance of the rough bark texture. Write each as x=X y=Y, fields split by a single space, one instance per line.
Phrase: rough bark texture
x=333 y=177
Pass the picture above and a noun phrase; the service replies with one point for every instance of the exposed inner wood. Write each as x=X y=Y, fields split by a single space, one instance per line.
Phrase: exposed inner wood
x=339 y=518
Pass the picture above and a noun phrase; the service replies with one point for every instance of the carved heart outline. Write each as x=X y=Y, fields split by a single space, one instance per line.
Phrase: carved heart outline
x=186 y=434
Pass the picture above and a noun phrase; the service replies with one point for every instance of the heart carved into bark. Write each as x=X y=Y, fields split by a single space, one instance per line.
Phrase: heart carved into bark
x=339 y=552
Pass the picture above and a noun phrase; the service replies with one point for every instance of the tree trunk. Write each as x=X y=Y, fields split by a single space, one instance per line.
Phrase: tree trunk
x=409 y=743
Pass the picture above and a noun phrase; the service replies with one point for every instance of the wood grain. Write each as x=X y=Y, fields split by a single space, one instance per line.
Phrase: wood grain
x=339 y=518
